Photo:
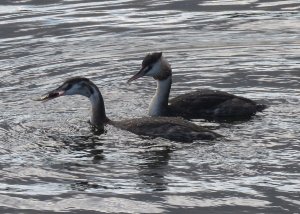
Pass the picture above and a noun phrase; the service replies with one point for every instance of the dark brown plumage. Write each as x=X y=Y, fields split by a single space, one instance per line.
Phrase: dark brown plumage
x=171 y=128
x=211 y=104
x=207 y=104
x=175 y=129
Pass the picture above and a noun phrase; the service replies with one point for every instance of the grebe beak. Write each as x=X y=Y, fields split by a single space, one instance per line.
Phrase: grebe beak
x=51 y=95
x=139 y=74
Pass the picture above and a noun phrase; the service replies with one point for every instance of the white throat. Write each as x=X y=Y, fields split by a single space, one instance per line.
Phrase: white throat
x=159 y=103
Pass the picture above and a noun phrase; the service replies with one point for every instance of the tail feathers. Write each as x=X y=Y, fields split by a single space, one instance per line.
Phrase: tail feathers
x=261 y=107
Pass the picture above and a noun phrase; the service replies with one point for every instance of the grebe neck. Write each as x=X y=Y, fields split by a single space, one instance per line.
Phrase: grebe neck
x=98 y=117
x=159 y=102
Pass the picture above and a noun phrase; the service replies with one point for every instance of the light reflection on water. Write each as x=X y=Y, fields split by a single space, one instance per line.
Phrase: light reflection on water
x=52 y=161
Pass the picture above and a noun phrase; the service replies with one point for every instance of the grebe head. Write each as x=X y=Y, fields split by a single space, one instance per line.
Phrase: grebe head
x=85 y=87
x=74 y=86
x=153 y=65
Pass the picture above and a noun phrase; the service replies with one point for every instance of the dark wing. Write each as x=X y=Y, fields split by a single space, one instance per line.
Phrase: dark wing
x=211 y=103
x=175 y=129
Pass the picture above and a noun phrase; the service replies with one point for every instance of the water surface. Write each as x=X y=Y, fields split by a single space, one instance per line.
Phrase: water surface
x=50 y=161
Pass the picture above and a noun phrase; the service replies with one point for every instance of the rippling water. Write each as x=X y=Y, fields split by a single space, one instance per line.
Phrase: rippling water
x=51 y=162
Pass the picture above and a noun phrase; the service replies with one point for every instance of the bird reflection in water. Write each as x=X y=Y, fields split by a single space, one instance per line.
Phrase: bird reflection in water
x=153 y=169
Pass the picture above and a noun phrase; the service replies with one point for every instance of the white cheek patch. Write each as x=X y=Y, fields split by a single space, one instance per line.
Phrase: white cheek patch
x=73 y=90
x=155 y=70
x=78 y=89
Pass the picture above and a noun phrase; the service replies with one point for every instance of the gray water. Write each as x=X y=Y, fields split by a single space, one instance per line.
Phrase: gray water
x=50 y=160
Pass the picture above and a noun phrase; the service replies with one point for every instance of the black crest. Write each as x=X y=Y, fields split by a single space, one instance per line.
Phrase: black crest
x=74 y=80
x=82 y=80
x=151 y=58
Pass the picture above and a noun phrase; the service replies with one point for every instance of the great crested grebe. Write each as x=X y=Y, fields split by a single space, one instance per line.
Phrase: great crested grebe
x=207 y=104
x=175 y=129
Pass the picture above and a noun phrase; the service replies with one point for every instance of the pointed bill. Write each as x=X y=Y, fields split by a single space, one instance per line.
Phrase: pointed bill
x=49 y=96
x=139 y=74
